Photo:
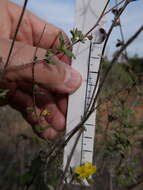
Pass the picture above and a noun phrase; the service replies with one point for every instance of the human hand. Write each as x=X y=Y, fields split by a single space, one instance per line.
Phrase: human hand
x=54 y=81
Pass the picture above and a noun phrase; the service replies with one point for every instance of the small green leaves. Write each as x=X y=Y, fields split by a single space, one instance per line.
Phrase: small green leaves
x=3 y=93
x=77 y=35
x=68 y=53
x=62 y=48
x=45 y=112
x=40 y=128
x=61 y=40
x=30 y=109
x=49 y=57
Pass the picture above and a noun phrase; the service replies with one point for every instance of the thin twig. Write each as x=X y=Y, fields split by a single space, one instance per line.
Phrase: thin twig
x=113 y=61
x=60 y=187
x=137 y=183
x=102 y=55
x=15 y=34
x=33 y=72
x=15 y=67
x=94 y=96
x=56 y=149
x=81 y=123
x=99 y=19
x=121 y=32
x=114 y=7
x=70 y=46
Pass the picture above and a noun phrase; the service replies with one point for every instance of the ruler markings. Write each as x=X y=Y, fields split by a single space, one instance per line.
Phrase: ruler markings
x=90 y=84
x=87 y=150
x=94 y=57
x=88 y=137
x=86 y=100
x=94 y=72
x=88 y=124
x=87 y=62
x=89 y=98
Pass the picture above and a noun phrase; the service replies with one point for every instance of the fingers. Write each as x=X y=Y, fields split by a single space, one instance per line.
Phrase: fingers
x=22 y=101
x=43 y=96
x=46 y=102
x=62 y=103
x=64 y=58
x=55 y=105
x=10 y=88
x=25 y=31
x=32 y=27
x=59 y=77
x=31 y=30
x=50 y=38
x=5 y=22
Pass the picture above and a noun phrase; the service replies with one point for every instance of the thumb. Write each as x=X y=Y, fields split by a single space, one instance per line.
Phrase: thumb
x=59 y=77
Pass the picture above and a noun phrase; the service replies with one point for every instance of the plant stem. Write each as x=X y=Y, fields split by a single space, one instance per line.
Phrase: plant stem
x=15 y=34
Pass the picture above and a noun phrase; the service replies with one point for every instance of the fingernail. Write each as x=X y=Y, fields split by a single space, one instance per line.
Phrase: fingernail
x=73 y=79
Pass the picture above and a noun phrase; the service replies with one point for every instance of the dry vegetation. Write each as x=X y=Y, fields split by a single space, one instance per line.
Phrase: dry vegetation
x=119 y=135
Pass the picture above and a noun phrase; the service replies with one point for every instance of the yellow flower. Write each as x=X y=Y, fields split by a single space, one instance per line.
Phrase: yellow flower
x=45 y=112
x=85 y=170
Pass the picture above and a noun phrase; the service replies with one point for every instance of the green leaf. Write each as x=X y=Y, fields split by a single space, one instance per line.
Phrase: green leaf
x=77 y=35
x=90 y=181
x=68 y=53
x=3 y=93
x=62 y=48
x=61 y=40
x=40 y=128
x=49 y=57
x=30 y=109
x=51 y=61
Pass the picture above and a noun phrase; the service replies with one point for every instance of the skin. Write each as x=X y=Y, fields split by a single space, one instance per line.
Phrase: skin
x=55 y=81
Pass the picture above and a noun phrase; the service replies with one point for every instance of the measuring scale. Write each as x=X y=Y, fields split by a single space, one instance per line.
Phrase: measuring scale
x=88 y=56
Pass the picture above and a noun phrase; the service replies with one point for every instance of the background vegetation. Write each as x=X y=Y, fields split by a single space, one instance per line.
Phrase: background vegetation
x=119 y=136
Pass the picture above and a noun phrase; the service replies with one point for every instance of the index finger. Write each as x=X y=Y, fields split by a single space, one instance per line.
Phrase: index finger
x=50 y=38
x=31 y=30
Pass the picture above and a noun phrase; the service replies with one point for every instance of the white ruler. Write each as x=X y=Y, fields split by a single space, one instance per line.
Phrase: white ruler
x=87 y=61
